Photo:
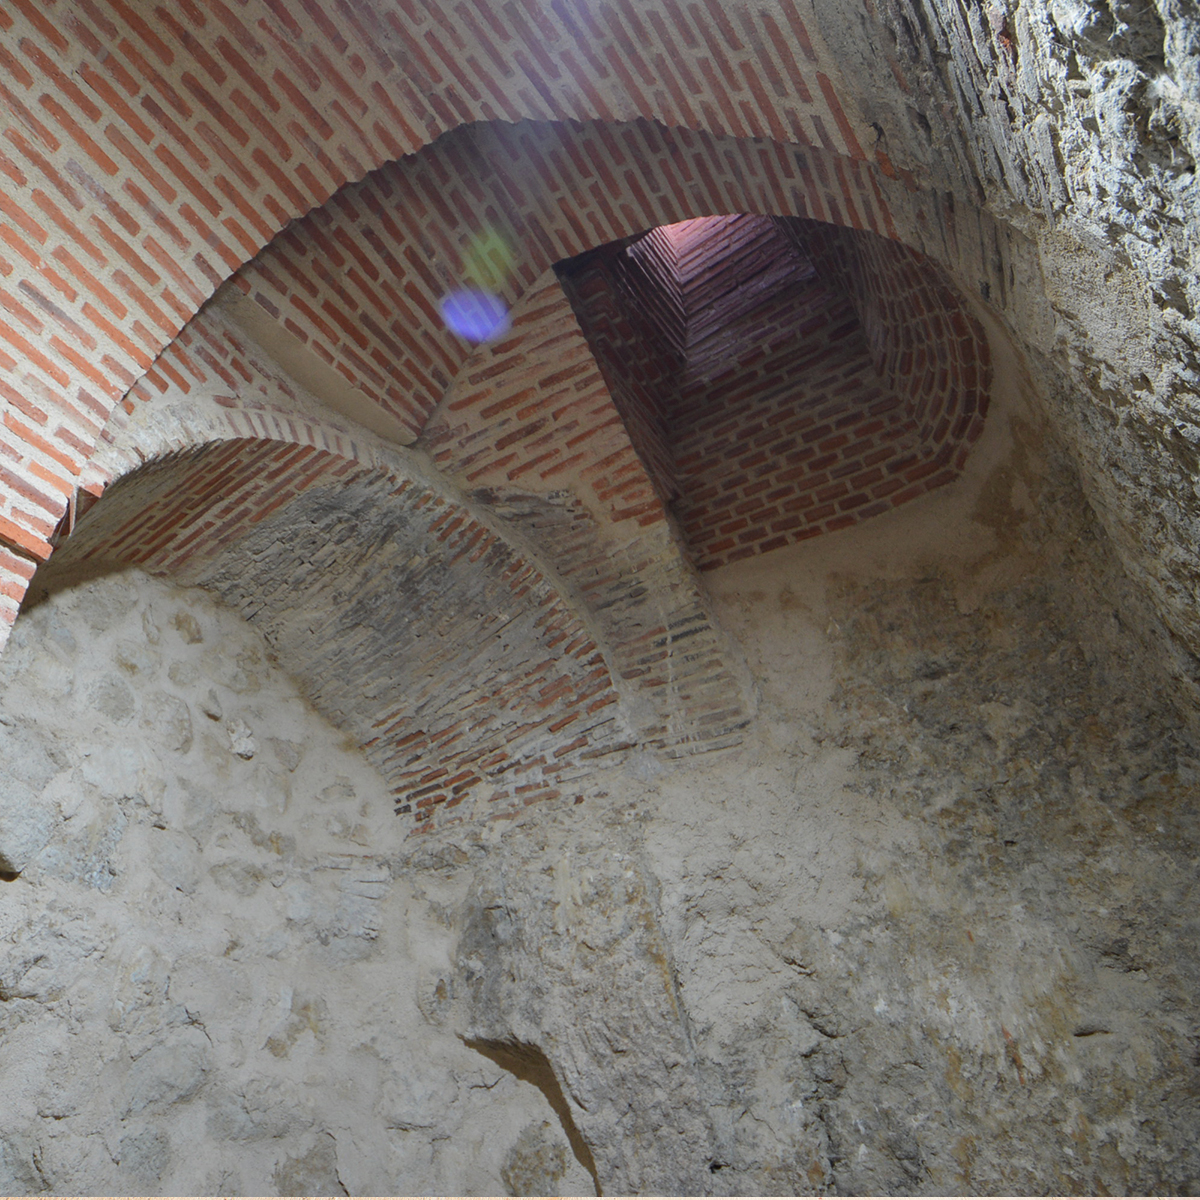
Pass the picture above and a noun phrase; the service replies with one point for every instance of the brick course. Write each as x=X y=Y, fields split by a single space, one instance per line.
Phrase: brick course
x=636 y=590
x=153 y=153
x=460 y=670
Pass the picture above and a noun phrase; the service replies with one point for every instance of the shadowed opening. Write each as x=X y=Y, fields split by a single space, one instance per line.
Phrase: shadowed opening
x=781 y=378
x=530 y=1064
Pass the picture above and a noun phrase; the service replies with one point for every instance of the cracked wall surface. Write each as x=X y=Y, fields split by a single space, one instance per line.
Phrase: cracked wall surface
x=927 y=928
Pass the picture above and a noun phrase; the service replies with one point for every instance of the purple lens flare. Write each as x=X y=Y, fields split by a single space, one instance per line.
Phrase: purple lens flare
x=475 y=315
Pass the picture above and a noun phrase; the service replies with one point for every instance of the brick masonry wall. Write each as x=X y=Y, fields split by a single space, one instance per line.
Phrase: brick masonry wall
x=531 y=409
x=359 y=281
x=722 y=267
x=925 y=345
x=457 y=667
x=532 y=431
x=213 y=384
x=806 y=417
x=228 y=388
x=148 y=153
x=637 y=359
x=636 y=590
x=649 y=273
x=152 y=153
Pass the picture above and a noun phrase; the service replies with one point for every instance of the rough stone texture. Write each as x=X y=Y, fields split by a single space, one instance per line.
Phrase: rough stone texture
x=929 y=929
x=207 y=966
x=1076 y=124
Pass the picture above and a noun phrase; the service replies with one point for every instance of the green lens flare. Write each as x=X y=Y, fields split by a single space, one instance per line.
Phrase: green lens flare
x=487 y=260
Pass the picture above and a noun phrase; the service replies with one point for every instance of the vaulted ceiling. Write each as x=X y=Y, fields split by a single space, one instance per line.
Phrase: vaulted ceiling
x=229 y=234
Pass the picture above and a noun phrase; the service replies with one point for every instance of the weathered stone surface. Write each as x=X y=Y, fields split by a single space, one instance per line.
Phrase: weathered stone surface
x=312 y=1174
x=206 y=968
x=1075 y=125
x=26 y=819
x=168 y=1073
x=929 y=929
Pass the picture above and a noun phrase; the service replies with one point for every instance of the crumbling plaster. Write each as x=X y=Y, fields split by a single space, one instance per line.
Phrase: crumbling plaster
x=929 y=927
x=1075 y=124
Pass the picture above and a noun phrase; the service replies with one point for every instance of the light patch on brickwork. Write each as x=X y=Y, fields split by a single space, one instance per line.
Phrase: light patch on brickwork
x=412 y=626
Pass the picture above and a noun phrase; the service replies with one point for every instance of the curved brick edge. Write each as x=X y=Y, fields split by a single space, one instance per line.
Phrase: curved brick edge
x=926 y=344
x=214 y=383
x=358 y=282
x=682 y=680
x=149 y=156
x=228 y=450
x=854 y=386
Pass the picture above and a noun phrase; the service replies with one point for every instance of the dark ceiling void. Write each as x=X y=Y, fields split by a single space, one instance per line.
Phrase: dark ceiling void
x=782 y=378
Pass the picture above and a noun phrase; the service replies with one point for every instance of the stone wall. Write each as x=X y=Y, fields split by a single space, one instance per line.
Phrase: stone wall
x=1076 y=125
x=924 y=924
x=211 y=967
x=928 y=929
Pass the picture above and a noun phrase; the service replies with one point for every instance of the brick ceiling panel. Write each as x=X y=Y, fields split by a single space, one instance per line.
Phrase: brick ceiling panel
x=786 y=378
x=360 y=281
x=148 y=152
x=448 y=656
x=533 y=432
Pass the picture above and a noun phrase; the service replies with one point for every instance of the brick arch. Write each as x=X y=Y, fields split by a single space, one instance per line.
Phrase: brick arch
x=358 y=283
x=832 y=375
x=600 y=532
x=172 y=161
x=212 y=383
x=359 y=280
x=532 y=430
x=459 y=668
x=149 y=152
x=569 y=479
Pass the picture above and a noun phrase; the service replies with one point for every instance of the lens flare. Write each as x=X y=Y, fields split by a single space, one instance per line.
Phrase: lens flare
x=487 y=260
x=475 y=314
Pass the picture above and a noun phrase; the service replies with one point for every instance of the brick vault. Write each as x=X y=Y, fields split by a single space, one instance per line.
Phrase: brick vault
x=743 y=258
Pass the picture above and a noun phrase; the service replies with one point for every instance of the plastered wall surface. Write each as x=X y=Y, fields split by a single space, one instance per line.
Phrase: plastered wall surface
x=210 y=971
x=929 y=928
